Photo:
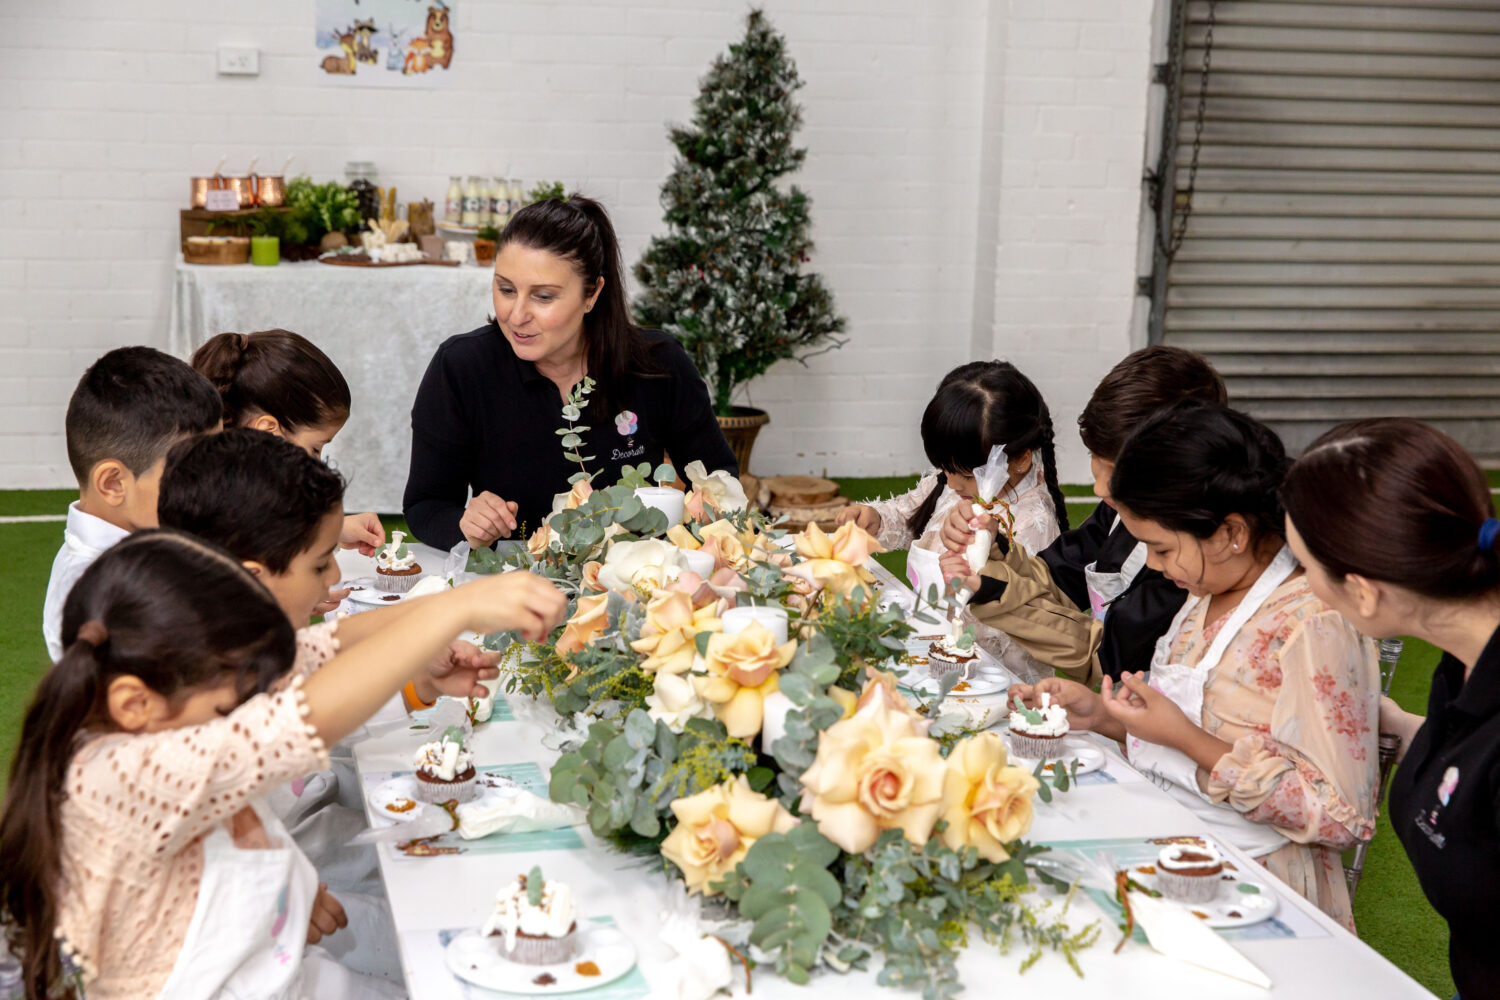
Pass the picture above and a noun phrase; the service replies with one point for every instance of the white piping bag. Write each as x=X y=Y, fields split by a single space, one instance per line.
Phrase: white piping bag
x=990 y=480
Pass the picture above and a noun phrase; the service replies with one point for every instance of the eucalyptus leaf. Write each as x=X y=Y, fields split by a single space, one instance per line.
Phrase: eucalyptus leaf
x=571 y=412
x=640 y=729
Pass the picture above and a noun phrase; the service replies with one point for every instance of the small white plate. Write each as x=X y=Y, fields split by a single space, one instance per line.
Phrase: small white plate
x=397 y=791
x=976 y=684
x=374 y=596
x=1089 y=758
x=477 y=960
x=1242 y=900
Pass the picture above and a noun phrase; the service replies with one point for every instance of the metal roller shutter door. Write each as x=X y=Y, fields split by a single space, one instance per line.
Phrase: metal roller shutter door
x=1342 y=258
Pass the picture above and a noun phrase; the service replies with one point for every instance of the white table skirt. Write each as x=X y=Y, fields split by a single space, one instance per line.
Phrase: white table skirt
x=438 y=893
x=381 y=327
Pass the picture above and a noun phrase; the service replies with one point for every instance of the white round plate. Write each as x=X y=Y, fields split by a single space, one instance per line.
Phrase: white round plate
x=478 y=961
x=388 y=793
x=373 y=596
x=1089 y=758
x=1242 y=900
x=976 y=684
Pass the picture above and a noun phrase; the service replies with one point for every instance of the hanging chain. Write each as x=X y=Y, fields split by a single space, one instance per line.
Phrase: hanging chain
x=1179 y=219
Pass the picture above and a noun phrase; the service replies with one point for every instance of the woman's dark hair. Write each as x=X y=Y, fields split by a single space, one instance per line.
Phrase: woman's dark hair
x=256 y=496
x=154 y=607
x=578 y=230
x=276 y=372
x=1142 y=383
x=977 y=406
x=1394 y=499
x=1190 y=465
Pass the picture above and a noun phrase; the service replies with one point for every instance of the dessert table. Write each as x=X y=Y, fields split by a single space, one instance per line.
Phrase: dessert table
x=1305 y=953
x=380 y=325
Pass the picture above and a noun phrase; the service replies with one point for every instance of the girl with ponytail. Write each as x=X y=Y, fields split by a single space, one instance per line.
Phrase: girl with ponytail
x=1258 y=710
x=136 y=855
x=1395 y=524
x=976 y=407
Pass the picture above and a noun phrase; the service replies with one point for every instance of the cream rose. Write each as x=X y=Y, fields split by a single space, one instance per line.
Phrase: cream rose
x=642 y=566
x=874 y=771
x=719 y=489
x=729 y=545
x=674 y=700
x=716 y=829
x=680 y=536
x=590 y=618
x=986 y=802
x=741 y=672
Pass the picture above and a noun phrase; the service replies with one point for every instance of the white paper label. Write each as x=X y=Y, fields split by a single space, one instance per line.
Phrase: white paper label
x=221 y=201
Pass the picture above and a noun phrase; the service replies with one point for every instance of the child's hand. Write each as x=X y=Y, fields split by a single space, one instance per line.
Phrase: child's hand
x=487 y=518
x=363 y=532
x=865 y=517
x=1144 y=711
x=1085 y=708
x=331 y=604
x=957 y=564
x=517 y=600
x=457 y=672
x=327 y=915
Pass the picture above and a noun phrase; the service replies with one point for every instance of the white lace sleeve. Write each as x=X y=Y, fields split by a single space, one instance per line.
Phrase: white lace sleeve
x=1036 y=521
x=896 y=511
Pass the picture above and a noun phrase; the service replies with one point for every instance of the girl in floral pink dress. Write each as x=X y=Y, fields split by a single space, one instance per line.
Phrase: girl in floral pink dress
x=1259 y=713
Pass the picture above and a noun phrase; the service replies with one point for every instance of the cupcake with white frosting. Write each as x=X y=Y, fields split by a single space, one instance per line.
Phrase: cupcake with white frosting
x=1189 y=873
x=445 y=769
x=534 y=921
x=954 y=652
x=396 y=567
x=1037 y=733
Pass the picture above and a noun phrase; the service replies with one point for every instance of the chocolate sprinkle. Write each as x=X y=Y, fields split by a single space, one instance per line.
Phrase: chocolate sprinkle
x=545 y=979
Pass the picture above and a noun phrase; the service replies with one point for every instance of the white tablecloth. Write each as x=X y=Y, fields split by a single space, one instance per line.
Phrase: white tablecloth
x=379 y=325
x=428 y=895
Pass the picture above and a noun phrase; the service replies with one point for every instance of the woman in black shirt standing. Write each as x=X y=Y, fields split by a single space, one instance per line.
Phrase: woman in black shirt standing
x=489 y=414
x=1396 y=528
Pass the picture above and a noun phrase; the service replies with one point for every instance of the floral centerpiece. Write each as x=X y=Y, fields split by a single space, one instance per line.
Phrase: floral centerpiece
x=738 y=717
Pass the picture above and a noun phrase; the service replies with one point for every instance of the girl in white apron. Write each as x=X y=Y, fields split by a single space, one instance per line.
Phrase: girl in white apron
x=1259 y=710
x=977 y=406
x=136 y=858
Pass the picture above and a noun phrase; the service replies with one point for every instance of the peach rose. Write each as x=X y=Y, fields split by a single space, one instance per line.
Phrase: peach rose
x=880 y=686
x=540 y=541
x=874 y=771
x=591 y=575
x=986 y=802
x=589 y=620
x=847 y=700
x=681 y=537
x=730 y=546
x=670 y=630
x=574 y=498
x=716 y=829
x=835 y=563
x=741 y=671
x=698 y=507
x=718 y=489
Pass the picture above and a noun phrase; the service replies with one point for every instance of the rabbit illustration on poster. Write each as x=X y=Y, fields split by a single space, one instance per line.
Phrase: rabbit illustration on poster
x=385 y=43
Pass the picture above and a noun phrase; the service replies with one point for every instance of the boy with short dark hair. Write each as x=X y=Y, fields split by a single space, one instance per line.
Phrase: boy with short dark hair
x=128 y=410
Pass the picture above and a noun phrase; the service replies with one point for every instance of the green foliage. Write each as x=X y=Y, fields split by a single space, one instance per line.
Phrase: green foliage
x=725 y=278
x=805 y=682
x=641 y=476
x=862 y=634
x=487 y=233
x=631 y=768
x=784 y=886
x=317 y=209
x=572 y=435
x=546 y=191
x=534 y=885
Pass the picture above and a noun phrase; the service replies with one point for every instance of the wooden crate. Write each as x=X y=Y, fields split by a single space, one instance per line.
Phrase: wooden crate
x=196 y=222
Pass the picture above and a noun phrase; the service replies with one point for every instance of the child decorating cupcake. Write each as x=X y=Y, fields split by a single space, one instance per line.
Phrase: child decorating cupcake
x=396 y=566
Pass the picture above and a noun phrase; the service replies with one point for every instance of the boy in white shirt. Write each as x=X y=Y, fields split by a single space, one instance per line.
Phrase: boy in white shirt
x=127 y=411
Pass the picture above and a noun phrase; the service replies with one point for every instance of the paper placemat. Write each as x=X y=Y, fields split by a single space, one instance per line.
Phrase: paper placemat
x=431 y=979
x=526 y=774
x=499 y=712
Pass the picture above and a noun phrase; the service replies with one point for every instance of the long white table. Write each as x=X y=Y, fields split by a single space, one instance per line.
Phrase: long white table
x=429 y=895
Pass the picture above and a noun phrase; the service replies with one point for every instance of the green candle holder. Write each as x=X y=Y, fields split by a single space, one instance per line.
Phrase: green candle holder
x=265 y=251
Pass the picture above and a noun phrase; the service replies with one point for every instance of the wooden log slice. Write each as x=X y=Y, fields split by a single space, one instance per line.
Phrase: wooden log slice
x=800 y=491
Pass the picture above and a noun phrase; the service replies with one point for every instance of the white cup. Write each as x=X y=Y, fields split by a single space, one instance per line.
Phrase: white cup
x=697 y=561
x=736 y=620
x=664 y=499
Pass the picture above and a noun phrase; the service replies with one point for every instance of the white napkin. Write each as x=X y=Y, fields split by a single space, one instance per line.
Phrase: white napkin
x=514 y=811
x=702 y=967
x=1176 y=933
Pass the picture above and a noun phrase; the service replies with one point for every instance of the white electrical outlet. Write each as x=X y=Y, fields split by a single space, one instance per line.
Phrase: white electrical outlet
x=239 y=62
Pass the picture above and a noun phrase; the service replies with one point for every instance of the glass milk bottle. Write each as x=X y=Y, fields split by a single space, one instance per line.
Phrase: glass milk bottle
x=453 y=203
x=517 y=196
x=471 y=202
x=499 y=203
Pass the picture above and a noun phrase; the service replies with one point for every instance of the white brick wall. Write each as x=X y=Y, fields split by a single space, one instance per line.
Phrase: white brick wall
x=973 y=165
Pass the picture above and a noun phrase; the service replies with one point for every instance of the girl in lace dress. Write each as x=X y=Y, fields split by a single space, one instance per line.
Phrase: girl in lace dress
x=136 y=856
x=977 y=406
x=1260 y=708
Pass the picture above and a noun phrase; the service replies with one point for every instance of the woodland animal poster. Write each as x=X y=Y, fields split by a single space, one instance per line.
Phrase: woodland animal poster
x=385 y=43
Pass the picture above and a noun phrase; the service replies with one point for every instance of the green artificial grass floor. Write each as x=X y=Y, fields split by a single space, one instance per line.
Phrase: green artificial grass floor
x=1392 y=914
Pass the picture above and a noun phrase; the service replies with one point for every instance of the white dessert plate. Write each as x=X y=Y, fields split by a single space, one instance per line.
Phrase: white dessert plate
x=976 y=684
x=1090 y=758
x=370 y=594
x=1242 y=900
x=387 y=797
x=478 y=960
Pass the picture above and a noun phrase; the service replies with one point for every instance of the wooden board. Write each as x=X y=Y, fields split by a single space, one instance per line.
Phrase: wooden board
x=800 y=491
x=359 y=260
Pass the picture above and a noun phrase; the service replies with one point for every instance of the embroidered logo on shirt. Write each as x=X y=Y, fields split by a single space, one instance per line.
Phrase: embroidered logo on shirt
x=627 y=423
x=619 y=456
x=1427 y=822
x=1450 y=783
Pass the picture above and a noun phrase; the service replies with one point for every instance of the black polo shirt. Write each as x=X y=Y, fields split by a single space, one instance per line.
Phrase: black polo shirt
x=1444 y=802
x=487 y=420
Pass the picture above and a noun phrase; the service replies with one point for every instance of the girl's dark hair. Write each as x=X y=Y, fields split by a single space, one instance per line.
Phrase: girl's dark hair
x=277 y=372
x=153 y=606
x=1142 y=383
x=260 y=498
x=1190 y=465
x=977 y=406
x=1394 y=499
x=578 y=230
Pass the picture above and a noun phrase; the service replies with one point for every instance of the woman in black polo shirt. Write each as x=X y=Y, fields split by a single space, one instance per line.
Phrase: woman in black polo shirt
x=1396 y=528
x=489 y=415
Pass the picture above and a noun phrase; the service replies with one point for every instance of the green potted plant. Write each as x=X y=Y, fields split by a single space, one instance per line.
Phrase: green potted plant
x=324 y=213
x=726 y=278
x=484 y=245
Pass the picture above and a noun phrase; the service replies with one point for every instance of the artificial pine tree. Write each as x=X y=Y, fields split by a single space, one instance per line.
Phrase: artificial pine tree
x=727 y=279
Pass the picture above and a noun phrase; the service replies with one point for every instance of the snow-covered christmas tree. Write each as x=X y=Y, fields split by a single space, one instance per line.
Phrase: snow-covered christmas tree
x=727 y=279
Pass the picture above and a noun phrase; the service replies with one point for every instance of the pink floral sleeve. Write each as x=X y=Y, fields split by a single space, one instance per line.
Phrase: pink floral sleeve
x=1312 y=774
x=895 y=511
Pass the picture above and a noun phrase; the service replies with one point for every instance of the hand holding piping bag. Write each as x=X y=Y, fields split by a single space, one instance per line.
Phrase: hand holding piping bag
x=990 y=480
